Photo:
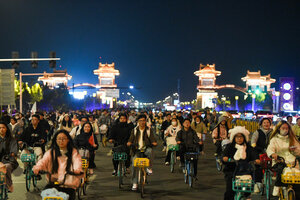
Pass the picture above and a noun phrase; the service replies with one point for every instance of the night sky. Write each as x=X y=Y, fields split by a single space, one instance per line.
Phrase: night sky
x=154 y=43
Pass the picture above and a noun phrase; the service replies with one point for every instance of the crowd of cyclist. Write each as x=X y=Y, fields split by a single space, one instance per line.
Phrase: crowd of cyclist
x=57 y=138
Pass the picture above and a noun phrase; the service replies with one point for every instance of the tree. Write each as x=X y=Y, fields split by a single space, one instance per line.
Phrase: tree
x=36 y=93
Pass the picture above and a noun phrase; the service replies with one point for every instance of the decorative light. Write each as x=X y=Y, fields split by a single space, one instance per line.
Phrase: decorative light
x=277 y=94
x=287 y=96
x=253 y=96
x=236 y=97
x=287 y=86
x=287 y=106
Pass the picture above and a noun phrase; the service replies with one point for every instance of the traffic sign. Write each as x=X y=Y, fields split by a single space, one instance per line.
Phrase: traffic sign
x=7 y=87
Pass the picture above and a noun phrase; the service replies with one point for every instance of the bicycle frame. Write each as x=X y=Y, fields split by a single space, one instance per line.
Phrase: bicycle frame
x=189 y=174
x=141 y=162
x=3 y=188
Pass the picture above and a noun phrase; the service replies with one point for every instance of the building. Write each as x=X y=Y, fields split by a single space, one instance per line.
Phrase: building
x=207 y=85
x=55 y=78
x=108 y=92
x=254 y=81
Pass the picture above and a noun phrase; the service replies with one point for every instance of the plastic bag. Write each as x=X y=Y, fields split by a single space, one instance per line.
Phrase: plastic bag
x=52 y=192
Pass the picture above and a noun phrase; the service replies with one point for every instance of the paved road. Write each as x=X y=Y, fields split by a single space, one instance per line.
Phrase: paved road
x=162 y=184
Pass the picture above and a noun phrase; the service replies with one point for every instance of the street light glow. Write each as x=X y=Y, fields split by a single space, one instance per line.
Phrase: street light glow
x=131 y=87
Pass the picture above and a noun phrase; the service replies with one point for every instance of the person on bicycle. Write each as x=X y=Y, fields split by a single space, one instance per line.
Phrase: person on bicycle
x=260 y=141
x=34 y=136
x=8 y=152
x=66 y=123
x=220 y=133
x=189 y=141
x=77 y=129
x=170 y=135
x=119 y=135
x=164 y=127
x=296 y=128
x=199 y=126
x=87 y=140
x=283 y=143
x=62 y=158
x=239 y=150
x=141 y=139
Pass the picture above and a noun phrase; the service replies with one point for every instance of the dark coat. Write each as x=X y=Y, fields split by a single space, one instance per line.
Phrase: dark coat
x=120 y=133
x=31 y=135
x=82 y=141
x=229 y=152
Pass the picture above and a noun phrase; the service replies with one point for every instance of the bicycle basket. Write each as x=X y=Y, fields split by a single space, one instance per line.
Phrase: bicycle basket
x=173 y=147
x=191 y=156
x=239 y=185
x=265 y=161
x=141 y=162
x=120 y=156
x=291 y=178
x=28 y=157
x=53 y=198
x=2 y=178
x=85 y=163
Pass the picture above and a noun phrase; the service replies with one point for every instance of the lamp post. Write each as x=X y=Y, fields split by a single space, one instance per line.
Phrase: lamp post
x=277 y=94
x=253 y=101
x=236 y=103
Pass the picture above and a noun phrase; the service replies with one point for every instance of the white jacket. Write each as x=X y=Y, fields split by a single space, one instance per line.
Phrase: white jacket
x=280 y=145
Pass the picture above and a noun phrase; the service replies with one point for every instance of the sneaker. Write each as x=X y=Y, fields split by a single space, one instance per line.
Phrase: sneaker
x=275 y=191
x=149 y=171
x=256 y=189
x=164 y=149
x=10 y=188
x=134 y=187
x=114 y=173
x=167 y=163
x=178 y=157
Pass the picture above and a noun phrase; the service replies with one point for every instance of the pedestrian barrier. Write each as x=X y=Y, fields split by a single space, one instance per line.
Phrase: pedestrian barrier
x=250 y=125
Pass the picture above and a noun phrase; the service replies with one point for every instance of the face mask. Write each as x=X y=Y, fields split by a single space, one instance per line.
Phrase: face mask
x=283 y=132
x=174 y=123
x=197 y=122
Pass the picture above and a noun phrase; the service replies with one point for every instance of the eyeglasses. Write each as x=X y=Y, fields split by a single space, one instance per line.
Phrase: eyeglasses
x=62 y=139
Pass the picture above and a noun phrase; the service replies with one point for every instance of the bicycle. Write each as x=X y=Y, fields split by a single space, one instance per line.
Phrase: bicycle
x=30 y=160
x=173 y=148
x=3 y=187
x=243 y=184
x=142 y=162
x=289 y=178
x=189 y=169
x=121 y=157
x=85 y=165
x=266 y=164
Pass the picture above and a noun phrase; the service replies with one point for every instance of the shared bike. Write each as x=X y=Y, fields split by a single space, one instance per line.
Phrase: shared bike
x=141 y=162
x=173 y=148
x=266 y=164
x=120 y=156
x=189 y=170
x=3 y=187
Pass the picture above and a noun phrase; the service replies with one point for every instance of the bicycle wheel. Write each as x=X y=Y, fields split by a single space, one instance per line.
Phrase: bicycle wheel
x=78 y=191
x=28 y=179
x=191 y=175
x=291 y=195
x=268 y=185
x=172 y=161
x=120 y=174
x=34 y=180
x=185 y=173
x=84 y=184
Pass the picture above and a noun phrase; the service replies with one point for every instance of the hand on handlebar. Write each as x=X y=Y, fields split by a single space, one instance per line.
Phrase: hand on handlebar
x=274 y=156
x=129 y=144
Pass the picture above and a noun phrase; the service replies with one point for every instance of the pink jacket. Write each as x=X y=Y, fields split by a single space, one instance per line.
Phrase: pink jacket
x=71 y=181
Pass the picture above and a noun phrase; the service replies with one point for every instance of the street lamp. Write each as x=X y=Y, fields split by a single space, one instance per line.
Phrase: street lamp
x=236 y=102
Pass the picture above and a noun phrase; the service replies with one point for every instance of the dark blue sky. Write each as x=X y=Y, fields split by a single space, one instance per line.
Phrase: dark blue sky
x=153 y=43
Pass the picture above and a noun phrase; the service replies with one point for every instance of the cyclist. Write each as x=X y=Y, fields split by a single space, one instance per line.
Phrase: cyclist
x=76 y=130
x=199 y=126
x=141 y=138
x=260 y=141
x=220 y=133
x=87 y=140
x=171 y=132
x=66 y=123
x=8 y=153
x=296 y=128
x=15 y=128
x=60 y=159
x=119 y=135
x=239 y=150
x=34 y=136
x=283 y=143
x=164 y=127
x=188 y=140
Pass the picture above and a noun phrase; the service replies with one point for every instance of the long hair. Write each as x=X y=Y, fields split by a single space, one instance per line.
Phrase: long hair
x=290 y=132
x=55 y=151
x=8 y=136
x=82 y=129
x=64 y=122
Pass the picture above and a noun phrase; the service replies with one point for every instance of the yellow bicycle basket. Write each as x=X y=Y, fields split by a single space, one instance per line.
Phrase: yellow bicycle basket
x=291 y=178
x=53 y=198
x=141 y=162
x=85 y=163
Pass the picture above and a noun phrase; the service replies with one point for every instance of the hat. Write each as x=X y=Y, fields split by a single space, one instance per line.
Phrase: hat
x=222 y=118
x=239 y=129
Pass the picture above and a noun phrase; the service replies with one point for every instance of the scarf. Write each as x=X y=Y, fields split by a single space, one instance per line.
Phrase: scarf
x=240 y=154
